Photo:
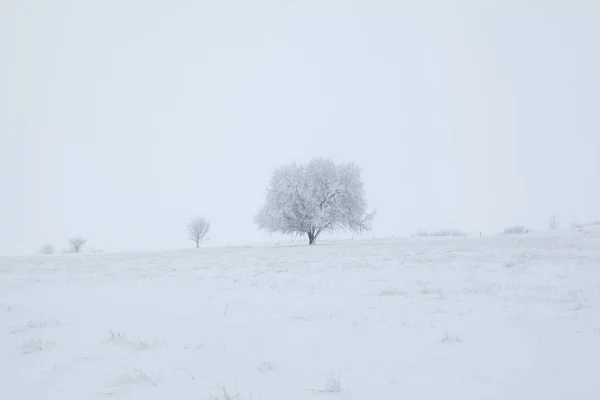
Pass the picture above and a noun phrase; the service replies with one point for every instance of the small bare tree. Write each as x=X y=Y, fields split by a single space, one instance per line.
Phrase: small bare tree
x=47 y=249
x=553 y=222
x=77 y=243
x=197 y=230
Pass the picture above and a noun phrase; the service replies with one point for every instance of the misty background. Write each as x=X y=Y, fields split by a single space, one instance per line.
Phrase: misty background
x=121 y=120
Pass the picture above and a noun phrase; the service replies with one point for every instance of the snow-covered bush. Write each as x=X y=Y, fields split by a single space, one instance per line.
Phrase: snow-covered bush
x=516 y=230
x=317 y=197
x=47 y=249
x=441 y=233
x=449 y=232
x=578 y=225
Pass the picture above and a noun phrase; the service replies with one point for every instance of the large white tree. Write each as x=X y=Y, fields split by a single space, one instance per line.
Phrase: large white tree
x=197 y=230
x=320 y=196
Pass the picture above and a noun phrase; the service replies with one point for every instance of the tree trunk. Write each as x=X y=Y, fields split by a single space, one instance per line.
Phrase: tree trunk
x=197 y=244
x=312 y=236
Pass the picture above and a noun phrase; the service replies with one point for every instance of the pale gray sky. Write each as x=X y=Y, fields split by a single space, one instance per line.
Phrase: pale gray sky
x=120 y=120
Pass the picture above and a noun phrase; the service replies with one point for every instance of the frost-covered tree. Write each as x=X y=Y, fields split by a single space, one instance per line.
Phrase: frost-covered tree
x=77 y=243
x=317 y=197
x=197 y=230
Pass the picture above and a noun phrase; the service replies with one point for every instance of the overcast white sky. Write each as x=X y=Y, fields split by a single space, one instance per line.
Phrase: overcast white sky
x=120 y=120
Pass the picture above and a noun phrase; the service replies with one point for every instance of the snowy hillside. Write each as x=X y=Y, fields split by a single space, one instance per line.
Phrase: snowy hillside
x=419 y=318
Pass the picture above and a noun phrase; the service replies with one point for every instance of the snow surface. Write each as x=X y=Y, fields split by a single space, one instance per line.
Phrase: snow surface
x=420 y=318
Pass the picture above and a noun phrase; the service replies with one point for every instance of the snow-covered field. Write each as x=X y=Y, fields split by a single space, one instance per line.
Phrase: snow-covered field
x=419 y=318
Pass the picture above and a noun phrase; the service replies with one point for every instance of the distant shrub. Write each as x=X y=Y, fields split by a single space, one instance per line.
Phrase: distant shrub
x=516 y=230
x=553 y=222
x=578 y=225
x=441 y=233
x=47 y=249
x=449 y=232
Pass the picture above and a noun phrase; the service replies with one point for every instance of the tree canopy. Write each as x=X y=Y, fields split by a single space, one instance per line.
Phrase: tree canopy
x=320 y=196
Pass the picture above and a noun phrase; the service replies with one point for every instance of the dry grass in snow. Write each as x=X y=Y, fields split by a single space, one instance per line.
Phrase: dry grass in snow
x=507 y=317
